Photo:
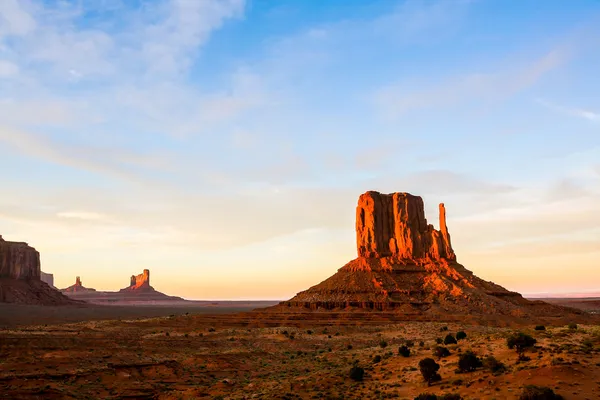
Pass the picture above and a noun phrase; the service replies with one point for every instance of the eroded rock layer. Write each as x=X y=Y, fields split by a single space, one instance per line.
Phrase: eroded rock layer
x=406 y=265
x=18 y=260
x=20 y=277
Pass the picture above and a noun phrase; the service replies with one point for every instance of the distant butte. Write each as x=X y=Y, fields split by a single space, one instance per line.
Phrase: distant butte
x=77 y=288
x=407 y=266
x=20 y=277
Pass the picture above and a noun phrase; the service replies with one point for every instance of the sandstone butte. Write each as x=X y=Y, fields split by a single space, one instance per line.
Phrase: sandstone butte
x=20 y=277
x=77 y=288
x=407 y=266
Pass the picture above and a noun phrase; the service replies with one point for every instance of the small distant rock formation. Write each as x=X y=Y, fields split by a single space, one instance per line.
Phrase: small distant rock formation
x=407 y=266
x=77 y=288
x=48 y=279
x=140 y=282
x=138 y=291
x=20 y=277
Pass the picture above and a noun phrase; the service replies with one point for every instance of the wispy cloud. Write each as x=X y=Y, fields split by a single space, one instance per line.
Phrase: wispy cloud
x=573 y=112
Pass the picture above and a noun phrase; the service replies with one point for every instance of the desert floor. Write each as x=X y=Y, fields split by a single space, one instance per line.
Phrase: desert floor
x=248 y=355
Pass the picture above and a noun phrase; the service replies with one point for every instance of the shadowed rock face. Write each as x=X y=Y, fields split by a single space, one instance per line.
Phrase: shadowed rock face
x=48 y=279
x=20 y=277
x=395 y=225
x=18 y=261
x=405 y=264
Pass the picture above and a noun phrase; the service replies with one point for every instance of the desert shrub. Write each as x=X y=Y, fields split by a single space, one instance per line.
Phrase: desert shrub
x=461 y=335
x=357 y=373
x=468 y=362
x=429 y=396
x=426 y=396
x=444 y=329
x=429 y=369
x=441 y=352
x=376 y=359
x=167 y=334
x=449 y=339
x=383 y=344
x=309 y=332
x=349 y=347
x=439 y=340
x=493 y=365
x=532 y=392
x=421 y=343
x=540 y=328
x=572 y=326
x=409 y=343
x=404 y=351
x=211 y=329
x=520 y=341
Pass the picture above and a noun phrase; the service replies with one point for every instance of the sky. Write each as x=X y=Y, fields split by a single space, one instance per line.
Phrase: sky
x=223 y=144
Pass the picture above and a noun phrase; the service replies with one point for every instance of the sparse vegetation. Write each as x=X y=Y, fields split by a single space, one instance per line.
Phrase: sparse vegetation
x=493 y=365
x=532 y=392
x=429 y=369
x=461 y=335
x=383 y=344
x=376 y=359
x=449 y=339
x=572 y=326
x=520 y=341
x=469 y=362
x=430 y=396
x=540 y=328
x=357 y=373
x=441 y=352
x=404 y=351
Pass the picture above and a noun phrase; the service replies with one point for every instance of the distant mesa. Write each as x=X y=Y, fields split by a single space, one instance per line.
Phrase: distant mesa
x=21 y=277
x=48 y=279
x=407 y=266
x=77 y=288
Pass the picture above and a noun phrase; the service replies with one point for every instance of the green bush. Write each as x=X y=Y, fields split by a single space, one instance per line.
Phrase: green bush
x=469 y=362
x=441 y=352
x=404 y=351
x=383 y=344
x=540 y=328
x=376 y=359
x=449 y=339
x=532 y=392
x=429 y=369
x=572 y=326
x=461 y=335
x=520 y=341
x=444 y=329
x=439 y=340
x=426 y=396
x=493 y=365
x=357 y=373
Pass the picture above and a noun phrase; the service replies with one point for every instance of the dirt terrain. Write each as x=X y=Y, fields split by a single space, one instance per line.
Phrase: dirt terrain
x=284 y=356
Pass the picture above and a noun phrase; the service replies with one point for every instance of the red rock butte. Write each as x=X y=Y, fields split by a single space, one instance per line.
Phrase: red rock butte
x=20 y=277
x=407 y=266
x=77 y=288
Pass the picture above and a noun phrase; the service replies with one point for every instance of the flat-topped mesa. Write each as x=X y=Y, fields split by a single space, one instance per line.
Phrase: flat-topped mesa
x=18 y=260
x=394 y=225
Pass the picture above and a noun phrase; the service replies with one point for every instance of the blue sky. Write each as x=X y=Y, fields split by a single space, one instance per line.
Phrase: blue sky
x=223 y=144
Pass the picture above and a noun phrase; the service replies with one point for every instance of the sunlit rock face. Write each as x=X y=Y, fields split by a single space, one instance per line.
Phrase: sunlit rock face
x=395 y=225
x=406 y=265
x=77 y=288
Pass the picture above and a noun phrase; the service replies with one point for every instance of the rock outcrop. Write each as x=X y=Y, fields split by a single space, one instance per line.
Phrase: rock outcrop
x=18 y=260
x=48 y=279
x=77 y=288
x=20 y=277
x=406 y=265
x=394 y=225
x=140 y=281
